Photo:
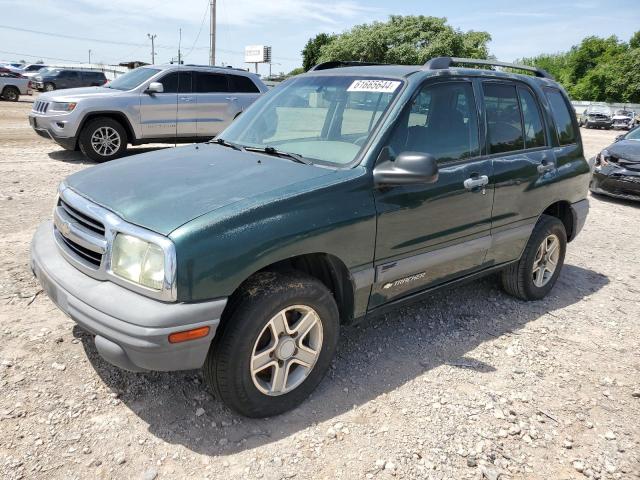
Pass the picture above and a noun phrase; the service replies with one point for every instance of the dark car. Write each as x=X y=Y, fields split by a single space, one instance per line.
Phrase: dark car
x=247 y=255
x=58 y=78
x=598 y=115
x=617 y=168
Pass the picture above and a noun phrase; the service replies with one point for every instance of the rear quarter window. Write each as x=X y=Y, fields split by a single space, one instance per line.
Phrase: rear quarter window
x=562 y=117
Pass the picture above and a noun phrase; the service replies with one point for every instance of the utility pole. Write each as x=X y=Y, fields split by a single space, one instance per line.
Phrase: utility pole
x=179 y=43
x=212 y=33
x=153 y=48
x=89 y=56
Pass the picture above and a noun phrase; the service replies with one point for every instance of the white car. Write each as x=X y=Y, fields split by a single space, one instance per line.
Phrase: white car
x=12 y=85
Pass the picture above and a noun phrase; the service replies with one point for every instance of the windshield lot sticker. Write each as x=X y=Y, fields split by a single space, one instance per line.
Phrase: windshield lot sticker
x=378 y=86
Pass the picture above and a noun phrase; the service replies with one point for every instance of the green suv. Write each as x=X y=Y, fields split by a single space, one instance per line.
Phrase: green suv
x=340 y=193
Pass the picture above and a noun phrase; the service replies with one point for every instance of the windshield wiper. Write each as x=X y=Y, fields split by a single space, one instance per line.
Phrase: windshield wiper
x=279 y=153
x=224 y=143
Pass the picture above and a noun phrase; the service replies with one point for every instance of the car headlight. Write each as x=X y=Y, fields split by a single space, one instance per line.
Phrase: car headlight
x=603 y=157
x=138 y=261
x=62 y=106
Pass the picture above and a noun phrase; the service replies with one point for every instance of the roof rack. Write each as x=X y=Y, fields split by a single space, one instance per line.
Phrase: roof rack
x=226 y=67
x=440 y=63
x=342 y=63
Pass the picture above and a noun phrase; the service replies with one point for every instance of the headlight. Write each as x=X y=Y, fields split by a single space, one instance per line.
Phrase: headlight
x=62 y=106
x=603 y=157
x=138 y=261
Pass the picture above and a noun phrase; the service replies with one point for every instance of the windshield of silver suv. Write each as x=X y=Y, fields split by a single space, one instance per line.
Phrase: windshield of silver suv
x=132 y=79
x=319 y=118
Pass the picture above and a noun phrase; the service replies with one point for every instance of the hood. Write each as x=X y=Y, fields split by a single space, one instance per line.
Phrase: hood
x=628 y=150
x=622 y=117
x=162 y=190
x=72 y=94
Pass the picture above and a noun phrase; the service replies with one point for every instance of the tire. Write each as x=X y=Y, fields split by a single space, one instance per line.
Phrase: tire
x=11 y=94
x=49 y=87
x=103 y=127
x=248 y=329
x=519 y=279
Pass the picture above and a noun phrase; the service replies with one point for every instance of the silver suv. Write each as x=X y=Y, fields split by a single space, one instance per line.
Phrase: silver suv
x=156 y=103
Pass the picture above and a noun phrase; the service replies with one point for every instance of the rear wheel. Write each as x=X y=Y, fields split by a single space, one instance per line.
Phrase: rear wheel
x=535 y=274
x=103 y=139
x=276 y=344
x=12 y=94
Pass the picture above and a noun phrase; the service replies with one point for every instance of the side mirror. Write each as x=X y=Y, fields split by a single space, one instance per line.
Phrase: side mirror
x=408 y=168
x=618 y=138
x=154 y=87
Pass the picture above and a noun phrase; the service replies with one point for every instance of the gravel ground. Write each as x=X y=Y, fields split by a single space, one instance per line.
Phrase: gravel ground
x=469 y=384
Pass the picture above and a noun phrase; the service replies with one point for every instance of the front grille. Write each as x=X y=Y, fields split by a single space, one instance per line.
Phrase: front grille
x=79 y=234
x=84 y=220
x=40 y=106
x=94 y=258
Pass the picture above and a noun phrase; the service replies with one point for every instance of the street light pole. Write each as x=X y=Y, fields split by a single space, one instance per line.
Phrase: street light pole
x=89 y=56
x=153 y=49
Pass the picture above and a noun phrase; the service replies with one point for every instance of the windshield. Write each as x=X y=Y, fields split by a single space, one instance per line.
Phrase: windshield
x=625 y=113
x=133 y=78
x=599 y=109
x=321 y=118
x=633 y=134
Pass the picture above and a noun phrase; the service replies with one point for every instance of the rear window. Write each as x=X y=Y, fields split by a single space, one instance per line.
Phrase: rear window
x=210 y=83
x=504 y=124
x=562 y=117
x=241 y=84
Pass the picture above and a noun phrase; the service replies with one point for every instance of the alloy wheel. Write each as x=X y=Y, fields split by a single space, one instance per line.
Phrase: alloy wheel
x=105 y=141
x=546 y=260
x=286 y=350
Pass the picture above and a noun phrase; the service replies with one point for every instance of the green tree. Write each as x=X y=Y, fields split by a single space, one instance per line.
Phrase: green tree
x=295 y=71
x=311 y=51
x=407 y=40
x=598 y=69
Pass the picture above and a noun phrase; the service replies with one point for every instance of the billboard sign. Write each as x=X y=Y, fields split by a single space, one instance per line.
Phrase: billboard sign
x=257 y=54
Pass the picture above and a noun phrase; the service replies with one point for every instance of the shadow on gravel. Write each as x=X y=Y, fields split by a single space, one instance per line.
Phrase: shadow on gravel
x=375 y=357
x=71 y=156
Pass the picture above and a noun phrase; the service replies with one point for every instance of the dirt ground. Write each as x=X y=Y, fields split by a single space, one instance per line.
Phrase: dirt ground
x=469 y=384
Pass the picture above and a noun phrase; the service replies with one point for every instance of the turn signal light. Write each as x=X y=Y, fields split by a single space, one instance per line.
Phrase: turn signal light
x=189 y=335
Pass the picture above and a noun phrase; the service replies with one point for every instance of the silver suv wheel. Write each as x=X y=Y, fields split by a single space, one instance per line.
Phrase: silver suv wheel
x=105 y=141
x=546 y=260
x=286 y=350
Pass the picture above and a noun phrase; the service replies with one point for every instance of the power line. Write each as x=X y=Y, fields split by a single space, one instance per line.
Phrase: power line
x=118 y=42
x=204 y=17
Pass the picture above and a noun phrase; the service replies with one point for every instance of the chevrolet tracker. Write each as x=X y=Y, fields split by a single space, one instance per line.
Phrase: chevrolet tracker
x=341 y=193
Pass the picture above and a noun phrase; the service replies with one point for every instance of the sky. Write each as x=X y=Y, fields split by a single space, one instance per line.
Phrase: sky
x=116 y=30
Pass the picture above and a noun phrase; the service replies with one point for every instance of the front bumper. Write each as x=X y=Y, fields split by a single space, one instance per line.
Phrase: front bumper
x=131 y=330
x=617 y=184
x=59 y=128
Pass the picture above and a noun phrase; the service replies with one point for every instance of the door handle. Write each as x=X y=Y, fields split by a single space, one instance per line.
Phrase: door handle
x=186 y=99
x=231 y=99
x=546 y=166
x=475 y=182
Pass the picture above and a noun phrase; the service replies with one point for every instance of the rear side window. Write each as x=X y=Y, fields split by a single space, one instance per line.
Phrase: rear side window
x=242 y=84
x=504 y=124
x=533 y=127
x=210 y=83
x=176 y=82
x=562 y=117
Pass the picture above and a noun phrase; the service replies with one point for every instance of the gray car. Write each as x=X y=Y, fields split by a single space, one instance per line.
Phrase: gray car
x=151 y=104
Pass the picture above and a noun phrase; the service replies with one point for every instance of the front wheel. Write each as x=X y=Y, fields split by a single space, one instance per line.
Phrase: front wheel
x=49 y=87
x=275 y=345
x=103 y=139
x=535 y=274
